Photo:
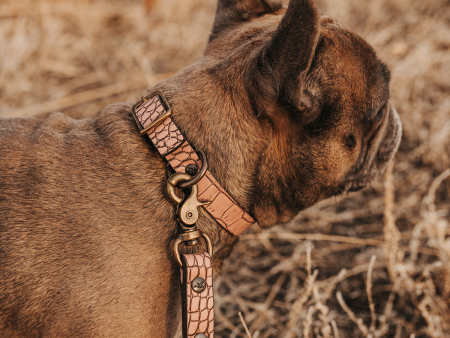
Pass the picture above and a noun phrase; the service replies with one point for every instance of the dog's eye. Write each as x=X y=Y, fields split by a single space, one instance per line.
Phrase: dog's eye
x=380 y=115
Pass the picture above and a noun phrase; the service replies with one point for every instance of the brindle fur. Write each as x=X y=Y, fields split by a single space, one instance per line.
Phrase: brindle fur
x=288 y=114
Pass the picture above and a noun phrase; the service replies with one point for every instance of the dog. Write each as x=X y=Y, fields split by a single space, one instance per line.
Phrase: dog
x=290 y=107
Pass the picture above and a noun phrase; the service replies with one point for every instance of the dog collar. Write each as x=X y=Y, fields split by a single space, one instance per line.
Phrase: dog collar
x=152 y=114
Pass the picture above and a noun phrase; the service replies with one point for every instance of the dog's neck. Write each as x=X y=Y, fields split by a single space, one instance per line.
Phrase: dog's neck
x=230 y=134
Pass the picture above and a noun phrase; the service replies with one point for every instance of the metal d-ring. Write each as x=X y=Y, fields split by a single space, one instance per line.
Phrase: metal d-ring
x=200 y=174
x=189 y=236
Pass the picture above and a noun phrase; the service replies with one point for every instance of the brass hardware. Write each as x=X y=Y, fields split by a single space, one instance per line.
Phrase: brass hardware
x=194 y=242
x=201 y=335
x=158 y=121
x=187 y=211
x=200 y=174
x=172 y=182
x=191 y=169
x=198 y=284
x=185 y=237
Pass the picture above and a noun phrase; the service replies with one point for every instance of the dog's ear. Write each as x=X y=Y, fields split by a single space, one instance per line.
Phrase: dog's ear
x=282 y=64
x=231 y=12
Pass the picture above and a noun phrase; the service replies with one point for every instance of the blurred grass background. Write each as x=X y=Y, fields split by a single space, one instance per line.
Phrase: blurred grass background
x=371 y=264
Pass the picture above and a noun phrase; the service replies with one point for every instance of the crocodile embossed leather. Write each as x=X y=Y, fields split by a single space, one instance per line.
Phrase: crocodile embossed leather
x=197 y=308
x=171 y=144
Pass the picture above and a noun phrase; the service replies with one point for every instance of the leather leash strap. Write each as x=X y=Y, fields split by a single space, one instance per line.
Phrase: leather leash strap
x=197 y=296
x=173 y=146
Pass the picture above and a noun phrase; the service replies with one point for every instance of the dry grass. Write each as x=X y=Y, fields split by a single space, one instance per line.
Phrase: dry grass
x=371 y=264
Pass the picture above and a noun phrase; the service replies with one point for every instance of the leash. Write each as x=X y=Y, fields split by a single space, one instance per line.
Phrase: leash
x=196 y=270
x=153 y=118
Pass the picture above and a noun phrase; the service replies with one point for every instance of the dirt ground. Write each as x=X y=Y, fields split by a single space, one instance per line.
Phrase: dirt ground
x=370 y=264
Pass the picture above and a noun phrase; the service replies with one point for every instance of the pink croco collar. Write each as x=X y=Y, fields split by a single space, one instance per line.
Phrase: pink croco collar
x=152 y=115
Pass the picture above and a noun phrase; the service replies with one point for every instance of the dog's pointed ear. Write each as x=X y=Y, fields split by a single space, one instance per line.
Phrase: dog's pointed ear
x=230 y=12
x=281 y=66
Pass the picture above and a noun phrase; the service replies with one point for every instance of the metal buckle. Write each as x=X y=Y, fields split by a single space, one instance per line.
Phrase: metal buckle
x=187 y=237
x=158 y=121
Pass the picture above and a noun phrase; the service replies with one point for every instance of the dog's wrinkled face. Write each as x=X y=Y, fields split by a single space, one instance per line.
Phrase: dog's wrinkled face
x=353 y=106
x=320 y=92
x=351 y=126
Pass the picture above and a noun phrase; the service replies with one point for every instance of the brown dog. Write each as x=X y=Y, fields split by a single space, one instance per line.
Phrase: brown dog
x=289 y=107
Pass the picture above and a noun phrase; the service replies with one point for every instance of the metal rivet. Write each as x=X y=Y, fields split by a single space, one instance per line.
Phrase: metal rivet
x=189 y=214
x=198 y=284
x=191 y=169
x=201 y=335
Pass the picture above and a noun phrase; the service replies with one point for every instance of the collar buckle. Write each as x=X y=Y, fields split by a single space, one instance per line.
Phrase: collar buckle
x=159 y=120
